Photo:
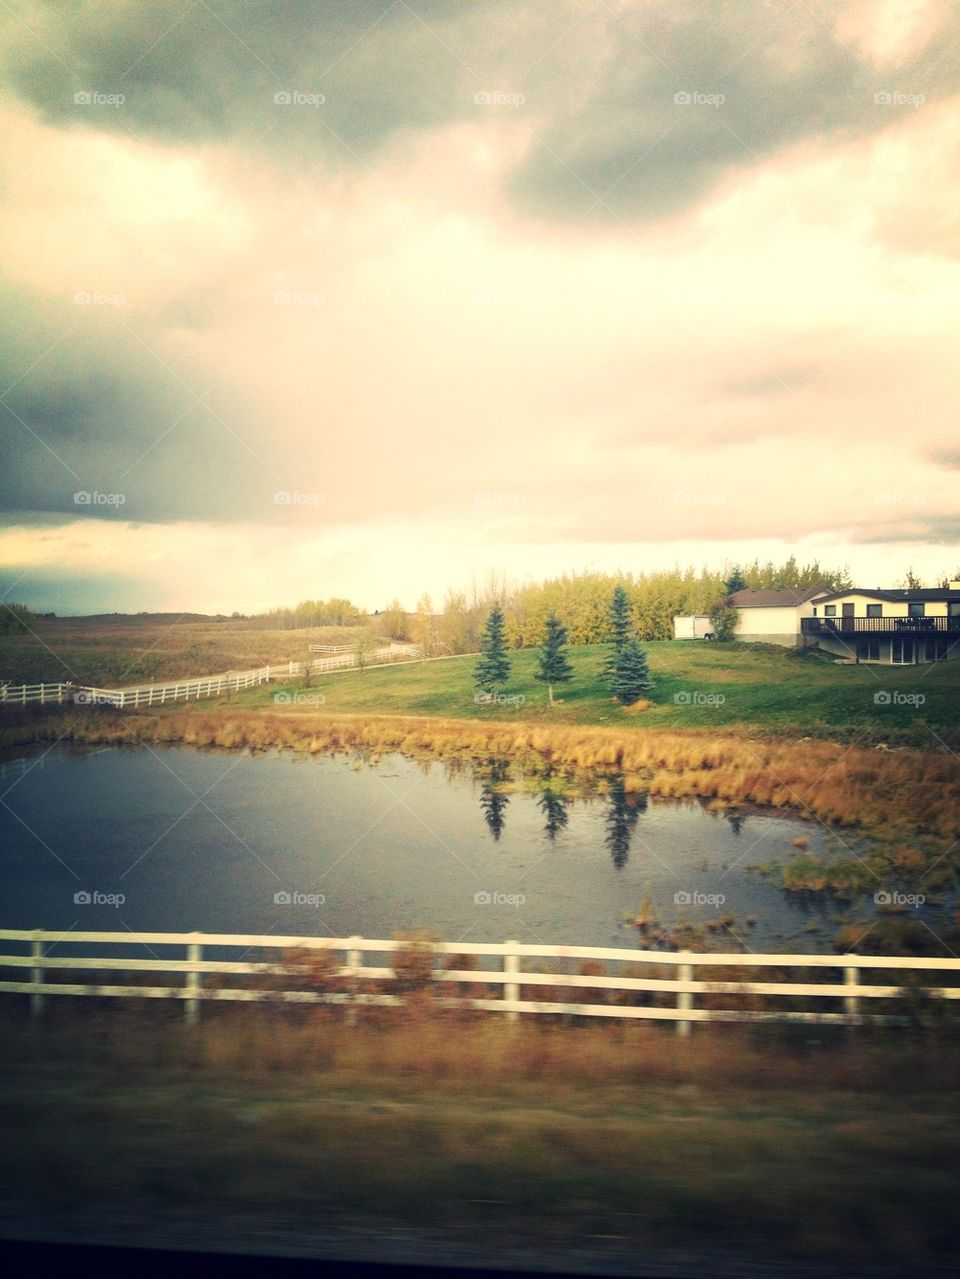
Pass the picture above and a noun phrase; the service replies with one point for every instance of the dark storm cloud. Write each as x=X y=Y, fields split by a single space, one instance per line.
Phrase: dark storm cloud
x=85 y=408
x=689 y=93
x=624 y=101
x=208 y=71
x=48 y=590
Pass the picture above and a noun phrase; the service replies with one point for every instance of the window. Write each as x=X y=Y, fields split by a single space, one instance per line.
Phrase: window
x=938 y=648
x=901 y=652
x=916 y=609
x=829 y=610
x=874 y=610
x=868 y=650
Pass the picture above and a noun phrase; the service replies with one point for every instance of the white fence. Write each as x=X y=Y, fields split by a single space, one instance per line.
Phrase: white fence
x=849 y=986
x=185 y=689
x=22 y=693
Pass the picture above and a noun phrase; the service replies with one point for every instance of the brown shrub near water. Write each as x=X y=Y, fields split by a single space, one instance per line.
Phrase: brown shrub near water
x=892 y=793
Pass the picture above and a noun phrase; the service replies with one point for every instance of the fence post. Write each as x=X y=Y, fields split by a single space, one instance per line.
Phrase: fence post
x=684 y=997
x=192 y=983
x=511 y=989
x=851 y=1002
x=36 y=973
x=354 y=960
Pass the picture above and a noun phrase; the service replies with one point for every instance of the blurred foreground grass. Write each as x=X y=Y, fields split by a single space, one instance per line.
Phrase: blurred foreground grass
x=776 y=1143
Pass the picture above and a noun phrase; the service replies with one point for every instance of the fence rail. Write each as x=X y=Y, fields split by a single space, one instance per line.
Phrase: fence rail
x=684 y=989
x=185 y=689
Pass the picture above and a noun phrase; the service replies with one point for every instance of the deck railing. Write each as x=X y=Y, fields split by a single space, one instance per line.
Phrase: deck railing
x=684 y=998
x=880 y=625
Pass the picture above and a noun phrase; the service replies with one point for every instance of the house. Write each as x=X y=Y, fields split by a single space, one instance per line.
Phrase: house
x=894 y=627
x=774 y=617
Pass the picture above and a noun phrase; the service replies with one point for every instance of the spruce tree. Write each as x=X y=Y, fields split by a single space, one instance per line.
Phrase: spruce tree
x=493 y=669
x=631 y=678
x=619 y=627
x=553 y=667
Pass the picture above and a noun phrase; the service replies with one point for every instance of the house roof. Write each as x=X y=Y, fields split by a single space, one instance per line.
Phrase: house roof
x=898 y=596
x=788 y=598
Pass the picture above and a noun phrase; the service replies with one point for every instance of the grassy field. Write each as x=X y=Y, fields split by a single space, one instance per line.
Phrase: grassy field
x=108 y=651
x=762 y=687
x=544 y=1137
x=698 y=685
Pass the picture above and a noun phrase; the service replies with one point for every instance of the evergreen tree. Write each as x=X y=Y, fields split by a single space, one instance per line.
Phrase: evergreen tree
x=621 y=820
x=736 y=581
x=493 y=801
x=493 y=669
x=554 y=808
x=553 y=667
x=631 y=678
x=619 y=627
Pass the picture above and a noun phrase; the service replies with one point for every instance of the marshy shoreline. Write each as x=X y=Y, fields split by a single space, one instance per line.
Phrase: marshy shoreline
x=900 y=791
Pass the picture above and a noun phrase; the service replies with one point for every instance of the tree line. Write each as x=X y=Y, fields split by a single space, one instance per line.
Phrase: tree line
x=625 y=670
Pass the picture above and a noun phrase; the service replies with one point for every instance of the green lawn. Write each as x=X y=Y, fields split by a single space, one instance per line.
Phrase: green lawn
x=760 y=686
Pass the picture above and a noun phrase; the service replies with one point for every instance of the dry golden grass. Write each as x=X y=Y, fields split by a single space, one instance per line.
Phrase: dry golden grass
x=891 y=794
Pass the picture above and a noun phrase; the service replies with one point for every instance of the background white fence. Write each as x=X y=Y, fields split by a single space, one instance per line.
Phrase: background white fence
x=202 y=686
x=845 y=981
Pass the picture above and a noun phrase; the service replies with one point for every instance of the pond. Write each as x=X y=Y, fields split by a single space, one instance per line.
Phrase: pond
x=179 y=839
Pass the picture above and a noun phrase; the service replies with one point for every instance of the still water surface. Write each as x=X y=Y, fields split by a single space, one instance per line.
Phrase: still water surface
x=218 y=841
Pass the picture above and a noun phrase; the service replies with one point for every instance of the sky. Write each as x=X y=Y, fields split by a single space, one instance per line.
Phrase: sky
x=372 y=298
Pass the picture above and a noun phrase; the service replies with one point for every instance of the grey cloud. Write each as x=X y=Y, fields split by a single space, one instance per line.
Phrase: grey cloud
x=949 y=459
x=209 y=71
x=85 y=408
x=936 y=529
x=609 y=140
x=626 y=137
